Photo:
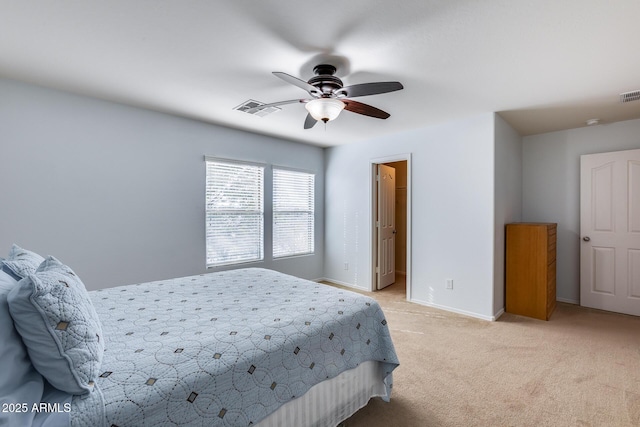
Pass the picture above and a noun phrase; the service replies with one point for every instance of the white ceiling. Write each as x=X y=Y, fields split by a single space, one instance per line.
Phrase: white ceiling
x=543 y=64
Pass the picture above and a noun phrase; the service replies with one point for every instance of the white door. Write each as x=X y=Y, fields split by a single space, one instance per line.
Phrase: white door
x=386 y=223
x=610 y=231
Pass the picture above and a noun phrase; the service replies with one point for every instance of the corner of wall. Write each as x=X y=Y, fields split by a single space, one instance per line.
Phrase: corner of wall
x=508 y=198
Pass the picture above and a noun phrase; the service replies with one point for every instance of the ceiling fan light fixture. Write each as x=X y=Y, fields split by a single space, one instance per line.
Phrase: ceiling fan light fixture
x=325 y=109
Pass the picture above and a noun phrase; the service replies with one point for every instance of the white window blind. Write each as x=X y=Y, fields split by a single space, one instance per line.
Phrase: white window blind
x=234 y=212
x=293 y=212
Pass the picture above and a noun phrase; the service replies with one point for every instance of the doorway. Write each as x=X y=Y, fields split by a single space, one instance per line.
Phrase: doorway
x=391 y=224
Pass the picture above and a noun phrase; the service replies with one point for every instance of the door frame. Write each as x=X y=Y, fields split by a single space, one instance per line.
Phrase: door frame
x=373 y=194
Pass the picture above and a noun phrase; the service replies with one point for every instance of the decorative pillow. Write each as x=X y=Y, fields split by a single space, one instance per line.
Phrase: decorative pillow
x=7 y=271
x=21 y=262
x=54 y=315
x=19 y=381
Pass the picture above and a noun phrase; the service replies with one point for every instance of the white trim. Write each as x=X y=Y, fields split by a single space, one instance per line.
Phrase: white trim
x=348 y=285
x=210 y=164
x=241 y=264
x=427 y=304
x=285 y=179
x=393 y=158
x=373 y=248
x=234 y=161
x=458 y=311
x=568 y=301
x=287 y=168
x=294 y=256
x=372 y=199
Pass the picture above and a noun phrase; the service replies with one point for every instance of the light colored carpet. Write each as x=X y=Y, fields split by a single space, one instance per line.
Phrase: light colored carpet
x=581 y=368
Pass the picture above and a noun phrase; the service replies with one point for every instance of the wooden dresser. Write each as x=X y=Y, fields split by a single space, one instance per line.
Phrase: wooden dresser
x=531 y=269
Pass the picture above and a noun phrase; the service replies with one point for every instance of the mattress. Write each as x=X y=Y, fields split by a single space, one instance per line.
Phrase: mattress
x=228 y=348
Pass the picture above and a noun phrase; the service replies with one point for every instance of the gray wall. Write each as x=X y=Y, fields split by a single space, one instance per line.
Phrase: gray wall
x=508 y=199
x=117 y=192
x=551 y=187
x=452 y=212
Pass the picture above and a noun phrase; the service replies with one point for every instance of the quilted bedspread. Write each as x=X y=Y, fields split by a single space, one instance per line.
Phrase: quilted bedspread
x=226 y=348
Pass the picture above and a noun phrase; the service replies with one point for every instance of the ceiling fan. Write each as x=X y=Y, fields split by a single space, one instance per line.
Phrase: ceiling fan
x=329 y=96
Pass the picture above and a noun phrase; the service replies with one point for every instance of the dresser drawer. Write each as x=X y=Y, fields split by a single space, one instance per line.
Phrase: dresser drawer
x=551 y=274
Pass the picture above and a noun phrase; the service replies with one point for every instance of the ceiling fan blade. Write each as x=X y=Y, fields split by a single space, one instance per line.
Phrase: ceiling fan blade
x=309 y=122
x=367 y=110
x=274 y=104
x=365 y=89
x=298 y=82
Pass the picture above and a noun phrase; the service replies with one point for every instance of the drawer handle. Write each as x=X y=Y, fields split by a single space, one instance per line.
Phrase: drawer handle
x=586 y=238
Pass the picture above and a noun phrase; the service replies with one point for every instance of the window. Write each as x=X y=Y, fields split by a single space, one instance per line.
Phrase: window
x=293 y=212
x=234 y=212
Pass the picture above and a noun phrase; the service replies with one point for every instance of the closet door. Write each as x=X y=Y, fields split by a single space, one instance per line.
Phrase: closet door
x=610 y=231
x=386 y=223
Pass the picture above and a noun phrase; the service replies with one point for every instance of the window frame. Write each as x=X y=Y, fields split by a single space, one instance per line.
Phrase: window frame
x=260 y=212
x=310 y=212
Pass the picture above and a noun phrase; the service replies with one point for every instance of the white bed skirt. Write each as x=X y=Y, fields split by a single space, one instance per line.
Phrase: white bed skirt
x=332 y=401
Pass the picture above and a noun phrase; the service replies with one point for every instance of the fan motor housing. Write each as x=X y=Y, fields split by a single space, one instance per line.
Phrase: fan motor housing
x=325 y=80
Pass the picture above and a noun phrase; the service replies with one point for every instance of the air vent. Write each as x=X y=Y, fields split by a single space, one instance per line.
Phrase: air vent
x=252 y=104
x=630 y=96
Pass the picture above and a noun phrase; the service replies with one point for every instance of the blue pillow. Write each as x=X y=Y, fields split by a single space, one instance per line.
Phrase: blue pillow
x=19 y=382
x=21 y=262
x=54 y=315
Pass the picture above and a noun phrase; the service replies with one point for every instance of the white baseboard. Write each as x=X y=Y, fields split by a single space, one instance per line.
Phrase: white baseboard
x=455 y=310
x=568 y=301
x=498 y=314
x=441 y=307
x=338 y=282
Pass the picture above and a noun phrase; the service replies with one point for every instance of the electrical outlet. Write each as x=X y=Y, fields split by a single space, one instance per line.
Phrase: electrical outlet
x=449 y=283
x=346 y=265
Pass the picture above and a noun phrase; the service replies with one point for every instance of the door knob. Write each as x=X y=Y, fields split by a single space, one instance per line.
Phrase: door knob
x=586 y=238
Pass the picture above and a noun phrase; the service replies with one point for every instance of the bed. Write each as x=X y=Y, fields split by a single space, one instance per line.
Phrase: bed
x=235 y=348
